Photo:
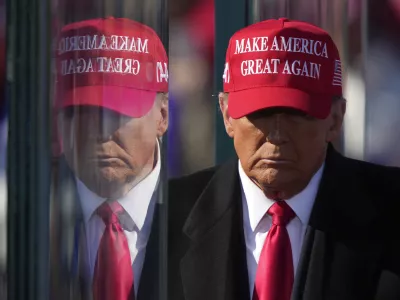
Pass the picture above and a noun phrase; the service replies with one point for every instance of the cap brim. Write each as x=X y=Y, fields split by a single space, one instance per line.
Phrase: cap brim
x=126 y=101
x=242 y=103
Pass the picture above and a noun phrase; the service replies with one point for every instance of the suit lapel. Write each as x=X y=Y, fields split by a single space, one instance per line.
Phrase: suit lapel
x=85 y=280
x=149 y=282
x=215 y=266
x=71 y=235
x=340 y=211
x=309 y=281
x=80 y=268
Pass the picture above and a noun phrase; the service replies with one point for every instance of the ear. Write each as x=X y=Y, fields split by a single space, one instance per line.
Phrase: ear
x=336 y=120
x=223 y=105
x=162 y=123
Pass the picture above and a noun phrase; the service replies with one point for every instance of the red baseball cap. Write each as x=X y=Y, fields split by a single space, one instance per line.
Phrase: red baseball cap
x=118 y=64
x=282 y=63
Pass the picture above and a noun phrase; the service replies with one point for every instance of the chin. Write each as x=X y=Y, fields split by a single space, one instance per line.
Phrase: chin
x=274 y=177
x=107 y=182
x=109 y=174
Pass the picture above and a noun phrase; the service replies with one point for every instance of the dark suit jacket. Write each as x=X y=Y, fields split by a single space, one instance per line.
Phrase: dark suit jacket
x=69 y=280
x=351 y=248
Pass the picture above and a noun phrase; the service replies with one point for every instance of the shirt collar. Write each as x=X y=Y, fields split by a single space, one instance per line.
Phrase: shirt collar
x=258 y=204
x=136 y=202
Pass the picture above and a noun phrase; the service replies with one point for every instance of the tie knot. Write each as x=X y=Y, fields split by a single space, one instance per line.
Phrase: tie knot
x=281 y=213
x=109 y=212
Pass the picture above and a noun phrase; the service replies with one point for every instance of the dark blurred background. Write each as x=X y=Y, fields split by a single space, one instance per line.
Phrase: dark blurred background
x=192 y=108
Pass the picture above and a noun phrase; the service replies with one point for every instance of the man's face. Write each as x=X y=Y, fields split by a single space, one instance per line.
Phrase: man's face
x=110 y=152
x=280 y=149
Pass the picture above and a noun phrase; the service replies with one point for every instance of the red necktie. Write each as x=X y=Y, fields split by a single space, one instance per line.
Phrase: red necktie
x=274 y=278
x=113 y=275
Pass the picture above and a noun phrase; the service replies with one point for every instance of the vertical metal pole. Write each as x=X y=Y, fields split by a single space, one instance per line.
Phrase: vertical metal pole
x=28 y=149
x=354 y=129
x=364 y=47
x=119 y=7
x=255 y=10
x=164 y=35
x=230 y=16
x=288 y=10
x=344 y=58
x=345 y=34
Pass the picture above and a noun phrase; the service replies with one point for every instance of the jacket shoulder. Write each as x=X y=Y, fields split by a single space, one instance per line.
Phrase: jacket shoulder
x=384 y=178
x=380 y=184
x=383 y=189
x=183 y=193
x=190 y=186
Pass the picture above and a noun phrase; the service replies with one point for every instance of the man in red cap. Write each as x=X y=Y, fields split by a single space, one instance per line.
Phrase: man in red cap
x=289 y=218
x=111 y=91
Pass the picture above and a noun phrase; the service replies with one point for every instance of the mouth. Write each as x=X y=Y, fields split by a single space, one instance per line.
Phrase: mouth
x=103 y=157
x=276 y=161
x=105 y=161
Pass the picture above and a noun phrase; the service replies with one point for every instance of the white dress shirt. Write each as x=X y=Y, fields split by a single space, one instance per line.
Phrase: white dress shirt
x=139 y=203
x=257 y=222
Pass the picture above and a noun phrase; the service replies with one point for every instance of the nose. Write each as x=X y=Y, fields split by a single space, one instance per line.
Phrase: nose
x=103 y=134
x=99 y=126
x=275 y=130
x=106 y=128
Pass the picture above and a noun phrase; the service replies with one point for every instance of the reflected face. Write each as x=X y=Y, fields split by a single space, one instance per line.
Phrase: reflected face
x=110 y=152
x=280 y=149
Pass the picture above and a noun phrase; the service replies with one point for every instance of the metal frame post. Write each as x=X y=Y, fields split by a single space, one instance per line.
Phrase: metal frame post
x=28 y=168
x=230 y=16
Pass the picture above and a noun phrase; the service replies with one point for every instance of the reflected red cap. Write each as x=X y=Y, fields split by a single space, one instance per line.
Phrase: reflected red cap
x=282 y=63
x=118 y=64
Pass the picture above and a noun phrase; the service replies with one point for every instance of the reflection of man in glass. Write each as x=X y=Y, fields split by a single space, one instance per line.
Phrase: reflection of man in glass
x=112 y=87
